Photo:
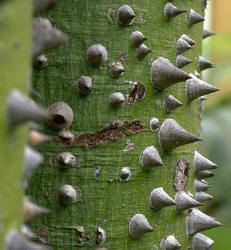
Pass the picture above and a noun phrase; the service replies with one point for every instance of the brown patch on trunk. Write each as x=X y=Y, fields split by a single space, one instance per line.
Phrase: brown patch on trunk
x=137 y=92
x=110 y=132
x=43 y=235
x=80 y=234
x=181 y=174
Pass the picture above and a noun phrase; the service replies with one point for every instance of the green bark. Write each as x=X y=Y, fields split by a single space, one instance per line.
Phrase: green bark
x=105 y=203
x=15 y=44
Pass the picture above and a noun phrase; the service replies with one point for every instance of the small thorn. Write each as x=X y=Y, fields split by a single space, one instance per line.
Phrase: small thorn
x=41 y=61
x=203 y=174
x=202 y=196
x=197 y=221
x=172 y=103
x=137 y=38
x=182 y=46
x=116 y=69
x=200 y=185
x=154 y=124
x=202 y=242
x=172 y=135
x=84 y=85
x=142 y=51
x=202 y=163
x=196 y=88
x=36 y=138
x=185 y=201
x=116 y=99
x=125 y=15
x=15 y=241
x=163 y=74
x=125 y=174
x=139 y=225
x=159 y=199
x=150 y=158
x=171 y=11
x=182 y=61
x=195 y=18
x=31 y=210
x=207 y=33
x=96 y=55
x=66 y=195
x=101 y=236
x=65 y=160
x=26 y=231
x=189 y=40
x=171 y=243
x=204 y=64
x=32 y=159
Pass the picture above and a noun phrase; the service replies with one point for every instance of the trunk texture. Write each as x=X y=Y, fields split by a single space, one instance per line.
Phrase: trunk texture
x=105 y=201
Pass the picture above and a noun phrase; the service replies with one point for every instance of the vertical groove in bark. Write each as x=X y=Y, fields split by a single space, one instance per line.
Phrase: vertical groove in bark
x=15 y=45
x=107 y=202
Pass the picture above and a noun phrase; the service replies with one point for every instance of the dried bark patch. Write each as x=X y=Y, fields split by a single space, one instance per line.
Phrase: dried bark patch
x=110 y=132
x=181 y=174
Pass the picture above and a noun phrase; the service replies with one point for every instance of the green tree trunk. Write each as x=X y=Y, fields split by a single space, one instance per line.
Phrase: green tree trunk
x=105 y=201
x=15 y=54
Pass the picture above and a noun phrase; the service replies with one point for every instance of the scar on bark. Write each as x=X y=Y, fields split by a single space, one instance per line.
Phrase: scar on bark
x=110 y=132
x=181 y=174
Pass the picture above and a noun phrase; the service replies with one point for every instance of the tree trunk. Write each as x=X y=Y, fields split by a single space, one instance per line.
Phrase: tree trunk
x=104 y=201
x=15 y=40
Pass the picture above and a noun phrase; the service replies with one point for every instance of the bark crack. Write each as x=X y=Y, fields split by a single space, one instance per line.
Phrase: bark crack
x=110 y=132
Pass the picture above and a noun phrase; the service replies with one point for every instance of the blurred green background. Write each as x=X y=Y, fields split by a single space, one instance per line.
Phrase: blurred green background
x=216 y=122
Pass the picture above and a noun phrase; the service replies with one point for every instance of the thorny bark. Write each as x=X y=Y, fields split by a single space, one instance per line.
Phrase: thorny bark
x=105 y=201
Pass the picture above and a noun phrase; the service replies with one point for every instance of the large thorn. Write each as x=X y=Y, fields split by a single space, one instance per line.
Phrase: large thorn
x=184 y=201
x=163 y=74
x=139 y=225
x=172 y=135
x=45 y=36
x=20 y=108
x=196 y=88
x=197 y=221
